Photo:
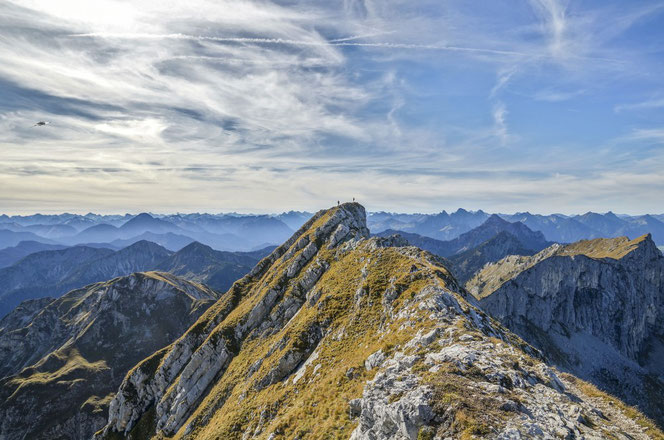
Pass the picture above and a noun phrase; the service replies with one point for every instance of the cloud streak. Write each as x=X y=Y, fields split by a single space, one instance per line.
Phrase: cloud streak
x=250 y=106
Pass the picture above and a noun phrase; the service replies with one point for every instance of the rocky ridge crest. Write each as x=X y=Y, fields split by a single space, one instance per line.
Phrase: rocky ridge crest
x=338 y=335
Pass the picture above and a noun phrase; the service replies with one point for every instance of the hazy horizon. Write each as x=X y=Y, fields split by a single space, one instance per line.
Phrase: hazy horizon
x=313 y=210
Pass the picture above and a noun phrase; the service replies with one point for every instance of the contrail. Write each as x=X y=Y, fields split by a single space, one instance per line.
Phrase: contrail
x=341 y=42
x=358 y=37
x=337 y=43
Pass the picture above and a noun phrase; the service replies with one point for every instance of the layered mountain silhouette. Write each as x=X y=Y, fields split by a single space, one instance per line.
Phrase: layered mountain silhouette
x=235 y=232
x=489 y=242
x=222 y=232
x=11 y=255
x=52 y=273
x=555 y=227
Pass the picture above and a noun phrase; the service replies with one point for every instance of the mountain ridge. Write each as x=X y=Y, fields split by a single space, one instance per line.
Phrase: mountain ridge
x=338 y=334
x=596 y=306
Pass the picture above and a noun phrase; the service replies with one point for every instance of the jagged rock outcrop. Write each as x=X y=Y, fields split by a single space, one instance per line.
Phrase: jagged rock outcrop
x=61 y=364
x=596 y=308
x=337 y=335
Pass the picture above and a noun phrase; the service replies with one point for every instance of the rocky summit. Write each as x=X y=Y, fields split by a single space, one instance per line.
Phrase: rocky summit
x=595 y=307
x=61 y=361
x=338 y=335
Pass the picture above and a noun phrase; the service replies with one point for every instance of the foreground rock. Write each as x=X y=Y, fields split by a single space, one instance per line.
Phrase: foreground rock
x=335 y=335
x=62 y=362
x=595 y=308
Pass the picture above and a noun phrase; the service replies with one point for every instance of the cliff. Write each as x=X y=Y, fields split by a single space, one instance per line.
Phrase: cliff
x=595 y=307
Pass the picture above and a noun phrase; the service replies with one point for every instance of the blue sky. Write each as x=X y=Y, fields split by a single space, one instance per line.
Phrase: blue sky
x=256 y=106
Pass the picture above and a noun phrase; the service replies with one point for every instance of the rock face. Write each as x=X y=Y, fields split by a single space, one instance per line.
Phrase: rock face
x=596 y=308
x=337 y=335
x=62 y=360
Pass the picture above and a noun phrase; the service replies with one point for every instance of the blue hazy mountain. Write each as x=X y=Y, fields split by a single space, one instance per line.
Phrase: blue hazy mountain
x=492 y=240
x=54 y=272
x=240 y=232
x=11 y=255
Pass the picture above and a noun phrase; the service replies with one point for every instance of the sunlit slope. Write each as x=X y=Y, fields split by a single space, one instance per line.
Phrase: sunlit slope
x=335 y=335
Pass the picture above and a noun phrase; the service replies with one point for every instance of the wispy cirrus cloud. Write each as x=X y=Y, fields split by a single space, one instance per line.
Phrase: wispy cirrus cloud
x=648 y=104
x=244 y=105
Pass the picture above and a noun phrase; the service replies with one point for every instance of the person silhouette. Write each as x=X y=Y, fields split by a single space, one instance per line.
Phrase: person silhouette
x=353 y=199
x=337 y=202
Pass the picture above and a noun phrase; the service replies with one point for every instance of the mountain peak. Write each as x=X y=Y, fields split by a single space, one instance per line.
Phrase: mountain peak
x=142 y=216
x=615 y=248
x=145 y=245
x=495 y=219
x=140 y=219
x=195 y=247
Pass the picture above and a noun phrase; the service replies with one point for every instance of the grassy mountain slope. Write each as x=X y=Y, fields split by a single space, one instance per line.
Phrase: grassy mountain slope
x=335 y=335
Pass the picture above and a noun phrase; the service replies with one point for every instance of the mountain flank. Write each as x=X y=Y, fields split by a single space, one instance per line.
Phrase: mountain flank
x=338 y=335
x=52 y=273
x=595 y=307
x=62 y=363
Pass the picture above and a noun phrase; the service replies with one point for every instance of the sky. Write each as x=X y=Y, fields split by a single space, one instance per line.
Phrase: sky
x=256 y=106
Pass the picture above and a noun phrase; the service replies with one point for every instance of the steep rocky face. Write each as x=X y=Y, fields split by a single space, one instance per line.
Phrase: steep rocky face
x=335 y=335
x=22 y=315
x=595 y=307
x=61 y=364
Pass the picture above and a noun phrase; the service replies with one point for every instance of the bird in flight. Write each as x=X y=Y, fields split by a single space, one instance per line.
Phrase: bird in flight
x=41 y=123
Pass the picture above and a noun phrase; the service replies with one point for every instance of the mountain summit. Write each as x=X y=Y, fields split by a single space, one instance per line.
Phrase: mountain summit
x=338 y=335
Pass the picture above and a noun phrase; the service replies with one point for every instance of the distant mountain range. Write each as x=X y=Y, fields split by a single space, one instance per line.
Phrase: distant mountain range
x=555 y=227
x=11 y=255
x=229 y=232
x=235 y=232
x=489 y=242
x=54 y=272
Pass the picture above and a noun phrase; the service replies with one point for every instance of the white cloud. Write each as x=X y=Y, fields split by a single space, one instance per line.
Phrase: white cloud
x=243 y=105
x=644 y=105
x=500 y=122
